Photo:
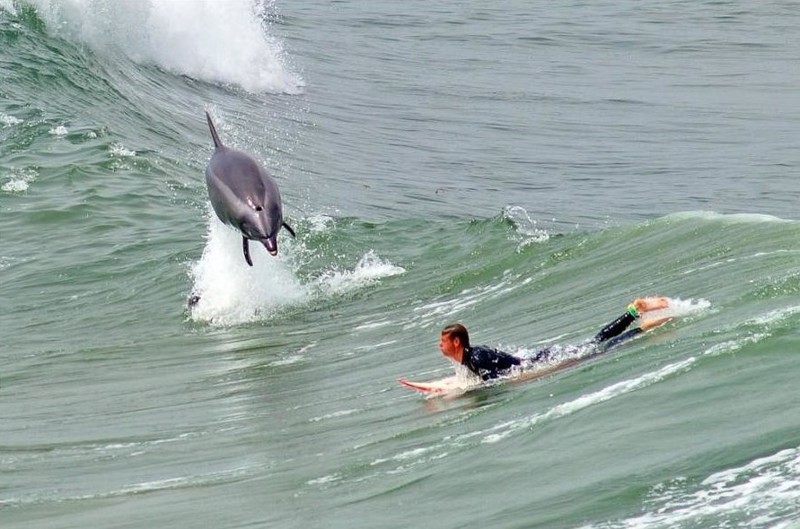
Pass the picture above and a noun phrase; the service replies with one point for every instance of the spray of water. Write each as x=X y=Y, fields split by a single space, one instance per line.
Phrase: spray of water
x=222 y=42
x=226 y=291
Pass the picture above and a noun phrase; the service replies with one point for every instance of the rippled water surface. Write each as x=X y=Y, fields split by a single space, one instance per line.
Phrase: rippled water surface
x=524 y=169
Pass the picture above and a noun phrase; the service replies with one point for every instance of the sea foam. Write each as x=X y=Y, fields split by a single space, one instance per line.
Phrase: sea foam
x=230 y=292
x=221 y=42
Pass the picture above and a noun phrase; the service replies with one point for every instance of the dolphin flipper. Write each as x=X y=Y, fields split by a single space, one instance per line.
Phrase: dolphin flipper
x=289 y=229
x=246 y=250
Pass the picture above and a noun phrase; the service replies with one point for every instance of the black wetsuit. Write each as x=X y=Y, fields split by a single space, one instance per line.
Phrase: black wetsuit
x=490 y=363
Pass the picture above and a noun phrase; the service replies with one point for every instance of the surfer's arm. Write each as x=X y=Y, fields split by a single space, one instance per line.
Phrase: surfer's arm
x=612 y=333
x=652 y=323
x=643 y=327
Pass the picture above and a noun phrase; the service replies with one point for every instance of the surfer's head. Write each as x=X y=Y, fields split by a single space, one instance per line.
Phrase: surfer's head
x=454 y=340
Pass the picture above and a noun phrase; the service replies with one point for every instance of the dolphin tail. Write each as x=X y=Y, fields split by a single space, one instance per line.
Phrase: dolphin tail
x=289 y=229
x=246 y=250
x=214 y=135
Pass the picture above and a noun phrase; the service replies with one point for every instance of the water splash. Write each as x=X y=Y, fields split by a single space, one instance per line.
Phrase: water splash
x=221 y=42
x=369 y=269
x=527 y=228
x=231 y=292
x=9 y=121
x=18 y=181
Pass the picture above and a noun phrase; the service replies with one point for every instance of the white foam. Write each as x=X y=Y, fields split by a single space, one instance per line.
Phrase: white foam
x=330 y=478
x=735 y=218
x=369 y=269
x=414 y=453
x=8 y=5
x=19 y=181
x=374 y=346
x=373 y=325
x=231 y=292
x=335 y=415
x=59 y=131
x=225 y=42
x=8 y=120
x=319 y=223
x=117 y=149
x=775 y=316
x=762 y=493
x=431 y=313
x=526 y=227
x=15 y=186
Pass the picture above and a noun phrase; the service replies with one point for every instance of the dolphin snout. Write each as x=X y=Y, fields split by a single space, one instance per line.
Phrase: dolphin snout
x=271 y=245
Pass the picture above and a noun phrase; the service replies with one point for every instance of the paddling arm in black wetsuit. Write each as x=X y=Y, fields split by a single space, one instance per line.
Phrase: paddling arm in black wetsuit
x=612 y=334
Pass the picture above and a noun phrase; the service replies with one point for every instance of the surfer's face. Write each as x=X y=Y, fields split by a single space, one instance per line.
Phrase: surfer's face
x=449 y=345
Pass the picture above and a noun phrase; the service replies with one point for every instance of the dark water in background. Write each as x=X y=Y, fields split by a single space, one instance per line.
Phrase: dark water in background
x=524 y=169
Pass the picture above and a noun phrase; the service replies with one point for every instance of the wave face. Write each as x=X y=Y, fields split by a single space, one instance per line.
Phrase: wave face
x=228 y=43
x=524 y=170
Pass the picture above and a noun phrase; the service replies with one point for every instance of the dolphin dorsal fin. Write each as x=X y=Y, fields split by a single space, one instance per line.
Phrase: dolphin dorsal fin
x=214 y=135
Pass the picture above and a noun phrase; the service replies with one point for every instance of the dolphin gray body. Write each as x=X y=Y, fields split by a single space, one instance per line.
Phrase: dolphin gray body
x=244 y=196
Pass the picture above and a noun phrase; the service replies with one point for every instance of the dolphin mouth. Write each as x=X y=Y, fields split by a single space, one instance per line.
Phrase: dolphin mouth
x=271 y=245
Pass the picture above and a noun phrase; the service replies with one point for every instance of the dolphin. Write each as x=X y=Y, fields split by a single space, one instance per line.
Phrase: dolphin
x=244 y=196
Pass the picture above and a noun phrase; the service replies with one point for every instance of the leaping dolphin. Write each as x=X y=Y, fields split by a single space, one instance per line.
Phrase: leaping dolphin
x=244 y=196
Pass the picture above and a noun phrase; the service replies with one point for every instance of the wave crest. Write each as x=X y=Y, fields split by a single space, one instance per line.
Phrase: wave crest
x=221 y=42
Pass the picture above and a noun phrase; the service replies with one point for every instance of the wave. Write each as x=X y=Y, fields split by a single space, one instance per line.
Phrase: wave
x=335 y=258
x=453 y=268
x=229 y=43
x=760 y=494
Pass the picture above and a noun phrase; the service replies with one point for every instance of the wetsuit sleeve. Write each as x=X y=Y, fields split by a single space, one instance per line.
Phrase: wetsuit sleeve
x=627 y=335
x=614 y=328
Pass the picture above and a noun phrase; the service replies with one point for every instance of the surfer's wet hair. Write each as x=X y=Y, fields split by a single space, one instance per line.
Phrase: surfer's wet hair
x=456 y=330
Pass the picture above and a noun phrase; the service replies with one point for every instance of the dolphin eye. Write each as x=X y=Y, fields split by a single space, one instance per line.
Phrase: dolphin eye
x=259 y=208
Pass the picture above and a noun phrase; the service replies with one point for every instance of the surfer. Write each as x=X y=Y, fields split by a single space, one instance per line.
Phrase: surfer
x=489 y=363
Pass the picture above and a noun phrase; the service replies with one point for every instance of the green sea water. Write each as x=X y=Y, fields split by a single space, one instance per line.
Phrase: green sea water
x=526 y=171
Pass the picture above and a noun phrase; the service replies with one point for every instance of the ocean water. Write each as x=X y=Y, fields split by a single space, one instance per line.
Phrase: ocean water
x=524 y=169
